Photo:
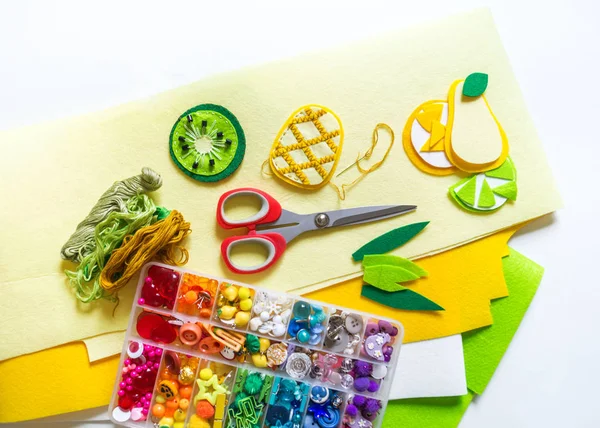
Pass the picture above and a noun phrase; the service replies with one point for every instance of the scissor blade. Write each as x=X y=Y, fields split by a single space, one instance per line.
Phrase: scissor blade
x=367 y=214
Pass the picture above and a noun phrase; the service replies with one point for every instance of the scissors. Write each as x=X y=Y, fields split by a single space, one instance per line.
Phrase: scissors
x=286 y=225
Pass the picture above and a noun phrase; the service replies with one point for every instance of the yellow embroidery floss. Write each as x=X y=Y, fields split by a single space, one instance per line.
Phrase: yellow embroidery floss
x=341 y=190
x=160 y=240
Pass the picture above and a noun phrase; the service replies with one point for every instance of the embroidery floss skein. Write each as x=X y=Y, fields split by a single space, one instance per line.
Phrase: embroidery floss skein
x=108 y=235
x=158 y=240
x=81 y=243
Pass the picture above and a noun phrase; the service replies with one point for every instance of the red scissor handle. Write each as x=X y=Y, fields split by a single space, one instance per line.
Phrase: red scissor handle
x=273 y=242
x=270 y=209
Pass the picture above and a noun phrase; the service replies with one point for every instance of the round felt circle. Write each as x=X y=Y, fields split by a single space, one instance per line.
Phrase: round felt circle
x=207 y=143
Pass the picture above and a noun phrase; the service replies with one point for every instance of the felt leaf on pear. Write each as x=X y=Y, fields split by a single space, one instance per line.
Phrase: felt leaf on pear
x=475 y=84
x=384 y=259
x=389 y=240
x=405 y=299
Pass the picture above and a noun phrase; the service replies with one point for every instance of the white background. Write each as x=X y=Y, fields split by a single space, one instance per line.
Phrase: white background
x=59 y=59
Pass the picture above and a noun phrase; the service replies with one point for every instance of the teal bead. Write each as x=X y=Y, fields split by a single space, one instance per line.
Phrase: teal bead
x=303 y=336
x=317 y=308
x=301 y=310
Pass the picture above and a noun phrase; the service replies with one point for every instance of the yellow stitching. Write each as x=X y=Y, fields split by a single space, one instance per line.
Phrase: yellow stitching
x=310 y=164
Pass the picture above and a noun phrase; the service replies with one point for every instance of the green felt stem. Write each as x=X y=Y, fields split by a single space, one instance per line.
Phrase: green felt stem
x=384 y=259
x=407 y=300
x=390 y=240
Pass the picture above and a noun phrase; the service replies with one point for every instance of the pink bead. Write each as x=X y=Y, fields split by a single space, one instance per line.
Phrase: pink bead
x=148 y=280
x=125 y=370
x=147 y=348
x=133 y=366
x=143 y=400
x=128 y=381
x=158 y=352
x=127 y=362
x=122 y=385
x=151 y=354
x=121 y=393
x=145 y=411
x=148 y=395
x=156 y=366
x=141 y=301
x=129 y=388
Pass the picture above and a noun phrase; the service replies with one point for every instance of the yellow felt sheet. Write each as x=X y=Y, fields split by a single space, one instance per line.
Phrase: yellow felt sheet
x=54 y=381
x=462 y=281
x=53 y=173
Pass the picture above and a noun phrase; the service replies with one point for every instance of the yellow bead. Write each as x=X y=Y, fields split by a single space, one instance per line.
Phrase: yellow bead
x=226 y=312
x=160 y=399
x=259 y=360
x=179 y=425
x=244 y=293
x=206 y=374
x=197 y=422
x=165 y=423
x=246 y=304
x=242 y=319
x=230 y=293
x=179 y=415
x=264 y=344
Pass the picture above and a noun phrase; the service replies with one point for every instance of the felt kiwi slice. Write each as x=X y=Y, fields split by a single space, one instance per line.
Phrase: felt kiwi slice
x=207 y=142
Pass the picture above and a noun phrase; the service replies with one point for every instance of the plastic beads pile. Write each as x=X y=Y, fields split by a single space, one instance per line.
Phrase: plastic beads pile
x=137 y=382
x=196 y=295
x=160 y=288
x=210 y=399
x=287 y=403
x=174 y=389
x=271 y=314
x=234 y=304
x=324 y=408
x=252 y=391
x=361 y=412
x=307 y=326
x=378 y=336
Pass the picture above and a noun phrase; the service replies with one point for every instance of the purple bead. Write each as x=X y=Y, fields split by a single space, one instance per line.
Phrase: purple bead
x=359 y=400
x=373 y=386
x=361 y=384
x=351 y=410
x=372 y=329
x=394 y=331
x=385 y=327
x=372 y=405
x=387 y=350
x=362 y=368
x=387 y=358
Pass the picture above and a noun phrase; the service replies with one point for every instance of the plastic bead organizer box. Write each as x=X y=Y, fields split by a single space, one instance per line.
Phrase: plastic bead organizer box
x=205 y=352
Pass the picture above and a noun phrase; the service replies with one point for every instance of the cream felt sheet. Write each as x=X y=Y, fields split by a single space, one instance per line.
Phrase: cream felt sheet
x=53 y=173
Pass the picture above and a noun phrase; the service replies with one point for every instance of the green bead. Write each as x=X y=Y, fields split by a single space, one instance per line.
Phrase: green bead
x=301 y=310
x=303 y=336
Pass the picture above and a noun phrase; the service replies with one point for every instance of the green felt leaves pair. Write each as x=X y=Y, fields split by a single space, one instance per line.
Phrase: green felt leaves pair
x=384 y=274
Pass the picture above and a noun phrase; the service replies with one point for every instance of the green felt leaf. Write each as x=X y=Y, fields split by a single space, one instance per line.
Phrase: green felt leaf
x=508 y=190
x=486 y=196
x=405 y=299
x=467 y=192
x=387 y=277
x=390 y=240
x=522 y=278
x=506 y=171
x=485 y=347
x=384 y=259
x=475 y=84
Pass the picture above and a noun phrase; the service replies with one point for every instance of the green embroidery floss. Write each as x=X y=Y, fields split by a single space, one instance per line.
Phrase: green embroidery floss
x=108 y=235
x=82 y=243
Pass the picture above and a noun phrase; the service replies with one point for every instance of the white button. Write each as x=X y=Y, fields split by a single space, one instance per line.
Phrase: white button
x=354 y=324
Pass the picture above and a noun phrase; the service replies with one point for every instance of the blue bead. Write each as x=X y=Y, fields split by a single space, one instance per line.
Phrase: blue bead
x=303 y=336
x=294 y=327
x=317 y=329
x=314 y=339
x=317 y=308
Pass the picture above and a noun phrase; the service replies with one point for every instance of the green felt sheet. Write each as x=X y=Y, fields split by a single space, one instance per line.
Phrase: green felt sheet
x=405 y=299
x=475 y=84
x=483 y=351
x=383 y=259
x=485 y=347
x=390 y=240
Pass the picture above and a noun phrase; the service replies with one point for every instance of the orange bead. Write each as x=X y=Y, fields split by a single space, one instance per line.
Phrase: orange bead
x=191 y=297
x=184 y=403
x=185 y=391
x=205 y=313
x=169 y=413
x=172 y=404
x=213 y=284
x=158 y=410
x=204 y=409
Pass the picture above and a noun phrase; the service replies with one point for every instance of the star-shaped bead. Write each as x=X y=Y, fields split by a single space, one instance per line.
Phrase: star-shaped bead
x=203 y=394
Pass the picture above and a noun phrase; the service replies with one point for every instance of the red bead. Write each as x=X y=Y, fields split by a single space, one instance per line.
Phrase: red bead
x=125 y=402
x=167 y=281
x=151 y=295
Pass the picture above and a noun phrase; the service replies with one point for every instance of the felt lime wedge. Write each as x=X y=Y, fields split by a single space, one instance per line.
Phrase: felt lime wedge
x=488 y=191
x=207 y=143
